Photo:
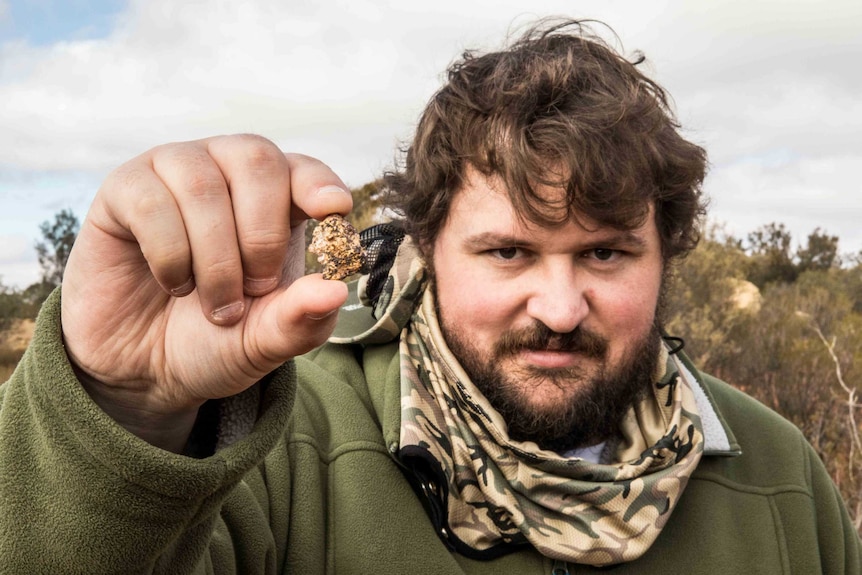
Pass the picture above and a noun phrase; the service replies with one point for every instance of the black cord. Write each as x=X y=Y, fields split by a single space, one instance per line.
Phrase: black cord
x=676 y=343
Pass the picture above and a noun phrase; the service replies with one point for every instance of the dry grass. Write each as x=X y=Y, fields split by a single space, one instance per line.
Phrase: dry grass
x=12 y=345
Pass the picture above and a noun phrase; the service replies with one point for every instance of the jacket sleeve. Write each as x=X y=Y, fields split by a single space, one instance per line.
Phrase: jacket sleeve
x=840 y=545
x=79 y=494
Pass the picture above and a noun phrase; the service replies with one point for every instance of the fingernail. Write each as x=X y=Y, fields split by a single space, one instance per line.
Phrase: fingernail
x=317 y=317
x=332 y=190
x=228 y=312
x=184 y=289
x=259 y=286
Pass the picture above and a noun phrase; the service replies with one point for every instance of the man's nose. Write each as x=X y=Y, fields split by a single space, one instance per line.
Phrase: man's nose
x=559 y=298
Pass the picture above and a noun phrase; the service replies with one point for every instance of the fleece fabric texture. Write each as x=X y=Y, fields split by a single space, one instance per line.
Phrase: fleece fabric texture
x=313 y=488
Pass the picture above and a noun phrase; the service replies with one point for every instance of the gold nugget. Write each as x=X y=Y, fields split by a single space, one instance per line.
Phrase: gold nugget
x=336 y=244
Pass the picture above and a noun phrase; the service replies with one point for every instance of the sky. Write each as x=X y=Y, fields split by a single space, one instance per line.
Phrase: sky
x=769 y=87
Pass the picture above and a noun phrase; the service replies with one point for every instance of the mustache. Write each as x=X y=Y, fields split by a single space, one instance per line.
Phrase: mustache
x=540 y=337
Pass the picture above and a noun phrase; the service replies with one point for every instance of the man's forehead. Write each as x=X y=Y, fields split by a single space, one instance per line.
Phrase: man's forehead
x=480 y=190
x=486 y=198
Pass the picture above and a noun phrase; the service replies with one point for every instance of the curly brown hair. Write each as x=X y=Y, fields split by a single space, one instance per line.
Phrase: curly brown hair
x=559 y=107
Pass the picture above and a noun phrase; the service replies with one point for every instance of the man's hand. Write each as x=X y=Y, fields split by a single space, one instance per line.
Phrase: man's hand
x=185 y=282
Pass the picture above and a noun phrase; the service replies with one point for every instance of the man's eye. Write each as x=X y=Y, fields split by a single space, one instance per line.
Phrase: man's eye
x=603 y=254
x=509 y=253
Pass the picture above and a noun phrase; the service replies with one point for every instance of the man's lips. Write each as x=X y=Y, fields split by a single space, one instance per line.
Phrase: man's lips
x=550 y=358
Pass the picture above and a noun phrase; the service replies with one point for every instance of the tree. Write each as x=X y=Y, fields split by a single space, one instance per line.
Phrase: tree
x=821 y=253
x=769 y=248
x=774 y=261
x=53 y=251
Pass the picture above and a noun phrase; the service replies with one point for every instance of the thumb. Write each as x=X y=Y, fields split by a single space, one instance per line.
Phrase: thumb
x=301 y=318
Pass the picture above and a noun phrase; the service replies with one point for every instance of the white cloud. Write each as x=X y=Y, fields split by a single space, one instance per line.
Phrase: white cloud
x=18 y=264
x=297 y=70
x=13 y=248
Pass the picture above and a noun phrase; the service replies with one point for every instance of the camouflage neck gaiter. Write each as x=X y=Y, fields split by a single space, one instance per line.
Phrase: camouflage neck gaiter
x=500 y=493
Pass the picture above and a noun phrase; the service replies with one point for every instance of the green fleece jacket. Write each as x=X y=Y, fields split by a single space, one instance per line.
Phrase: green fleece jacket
x=313 y=486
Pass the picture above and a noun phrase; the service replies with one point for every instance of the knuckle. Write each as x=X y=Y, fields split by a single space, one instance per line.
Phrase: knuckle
x=254 y=139
x=149 y=205
x=188 y=169
x=260 y=155
x=203 y=184
x=166 y=148
x=174 y=153
x=170 y=261
x=226 y=268
x=128 y=177
x=175 y=259
x=268 y=244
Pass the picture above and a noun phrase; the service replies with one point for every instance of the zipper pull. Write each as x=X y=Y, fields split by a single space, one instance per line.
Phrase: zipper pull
x=560 y=568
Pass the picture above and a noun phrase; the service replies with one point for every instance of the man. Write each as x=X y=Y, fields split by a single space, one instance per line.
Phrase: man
x=497 y=395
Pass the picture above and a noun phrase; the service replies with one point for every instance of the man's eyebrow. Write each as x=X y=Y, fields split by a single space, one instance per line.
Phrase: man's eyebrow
x=494 y=239
x=619 y=238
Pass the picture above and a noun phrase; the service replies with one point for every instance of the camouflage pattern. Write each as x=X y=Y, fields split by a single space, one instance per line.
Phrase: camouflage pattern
x=502 y=491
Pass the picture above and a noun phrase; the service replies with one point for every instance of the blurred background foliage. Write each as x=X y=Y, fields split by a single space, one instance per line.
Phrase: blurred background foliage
x=784 y=324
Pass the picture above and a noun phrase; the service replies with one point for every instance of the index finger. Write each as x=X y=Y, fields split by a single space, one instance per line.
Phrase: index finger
x=271 y=195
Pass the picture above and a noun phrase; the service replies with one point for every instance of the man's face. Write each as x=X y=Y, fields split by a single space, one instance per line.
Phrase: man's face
x=556 y=326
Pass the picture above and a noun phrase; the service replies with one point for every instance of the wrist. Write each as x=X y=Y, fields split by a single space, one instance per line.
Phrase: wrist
x=137 y=412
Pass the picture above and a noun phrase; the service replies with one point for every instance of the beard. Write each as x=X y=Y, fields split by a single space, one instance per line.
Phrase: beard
x=595 y=401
